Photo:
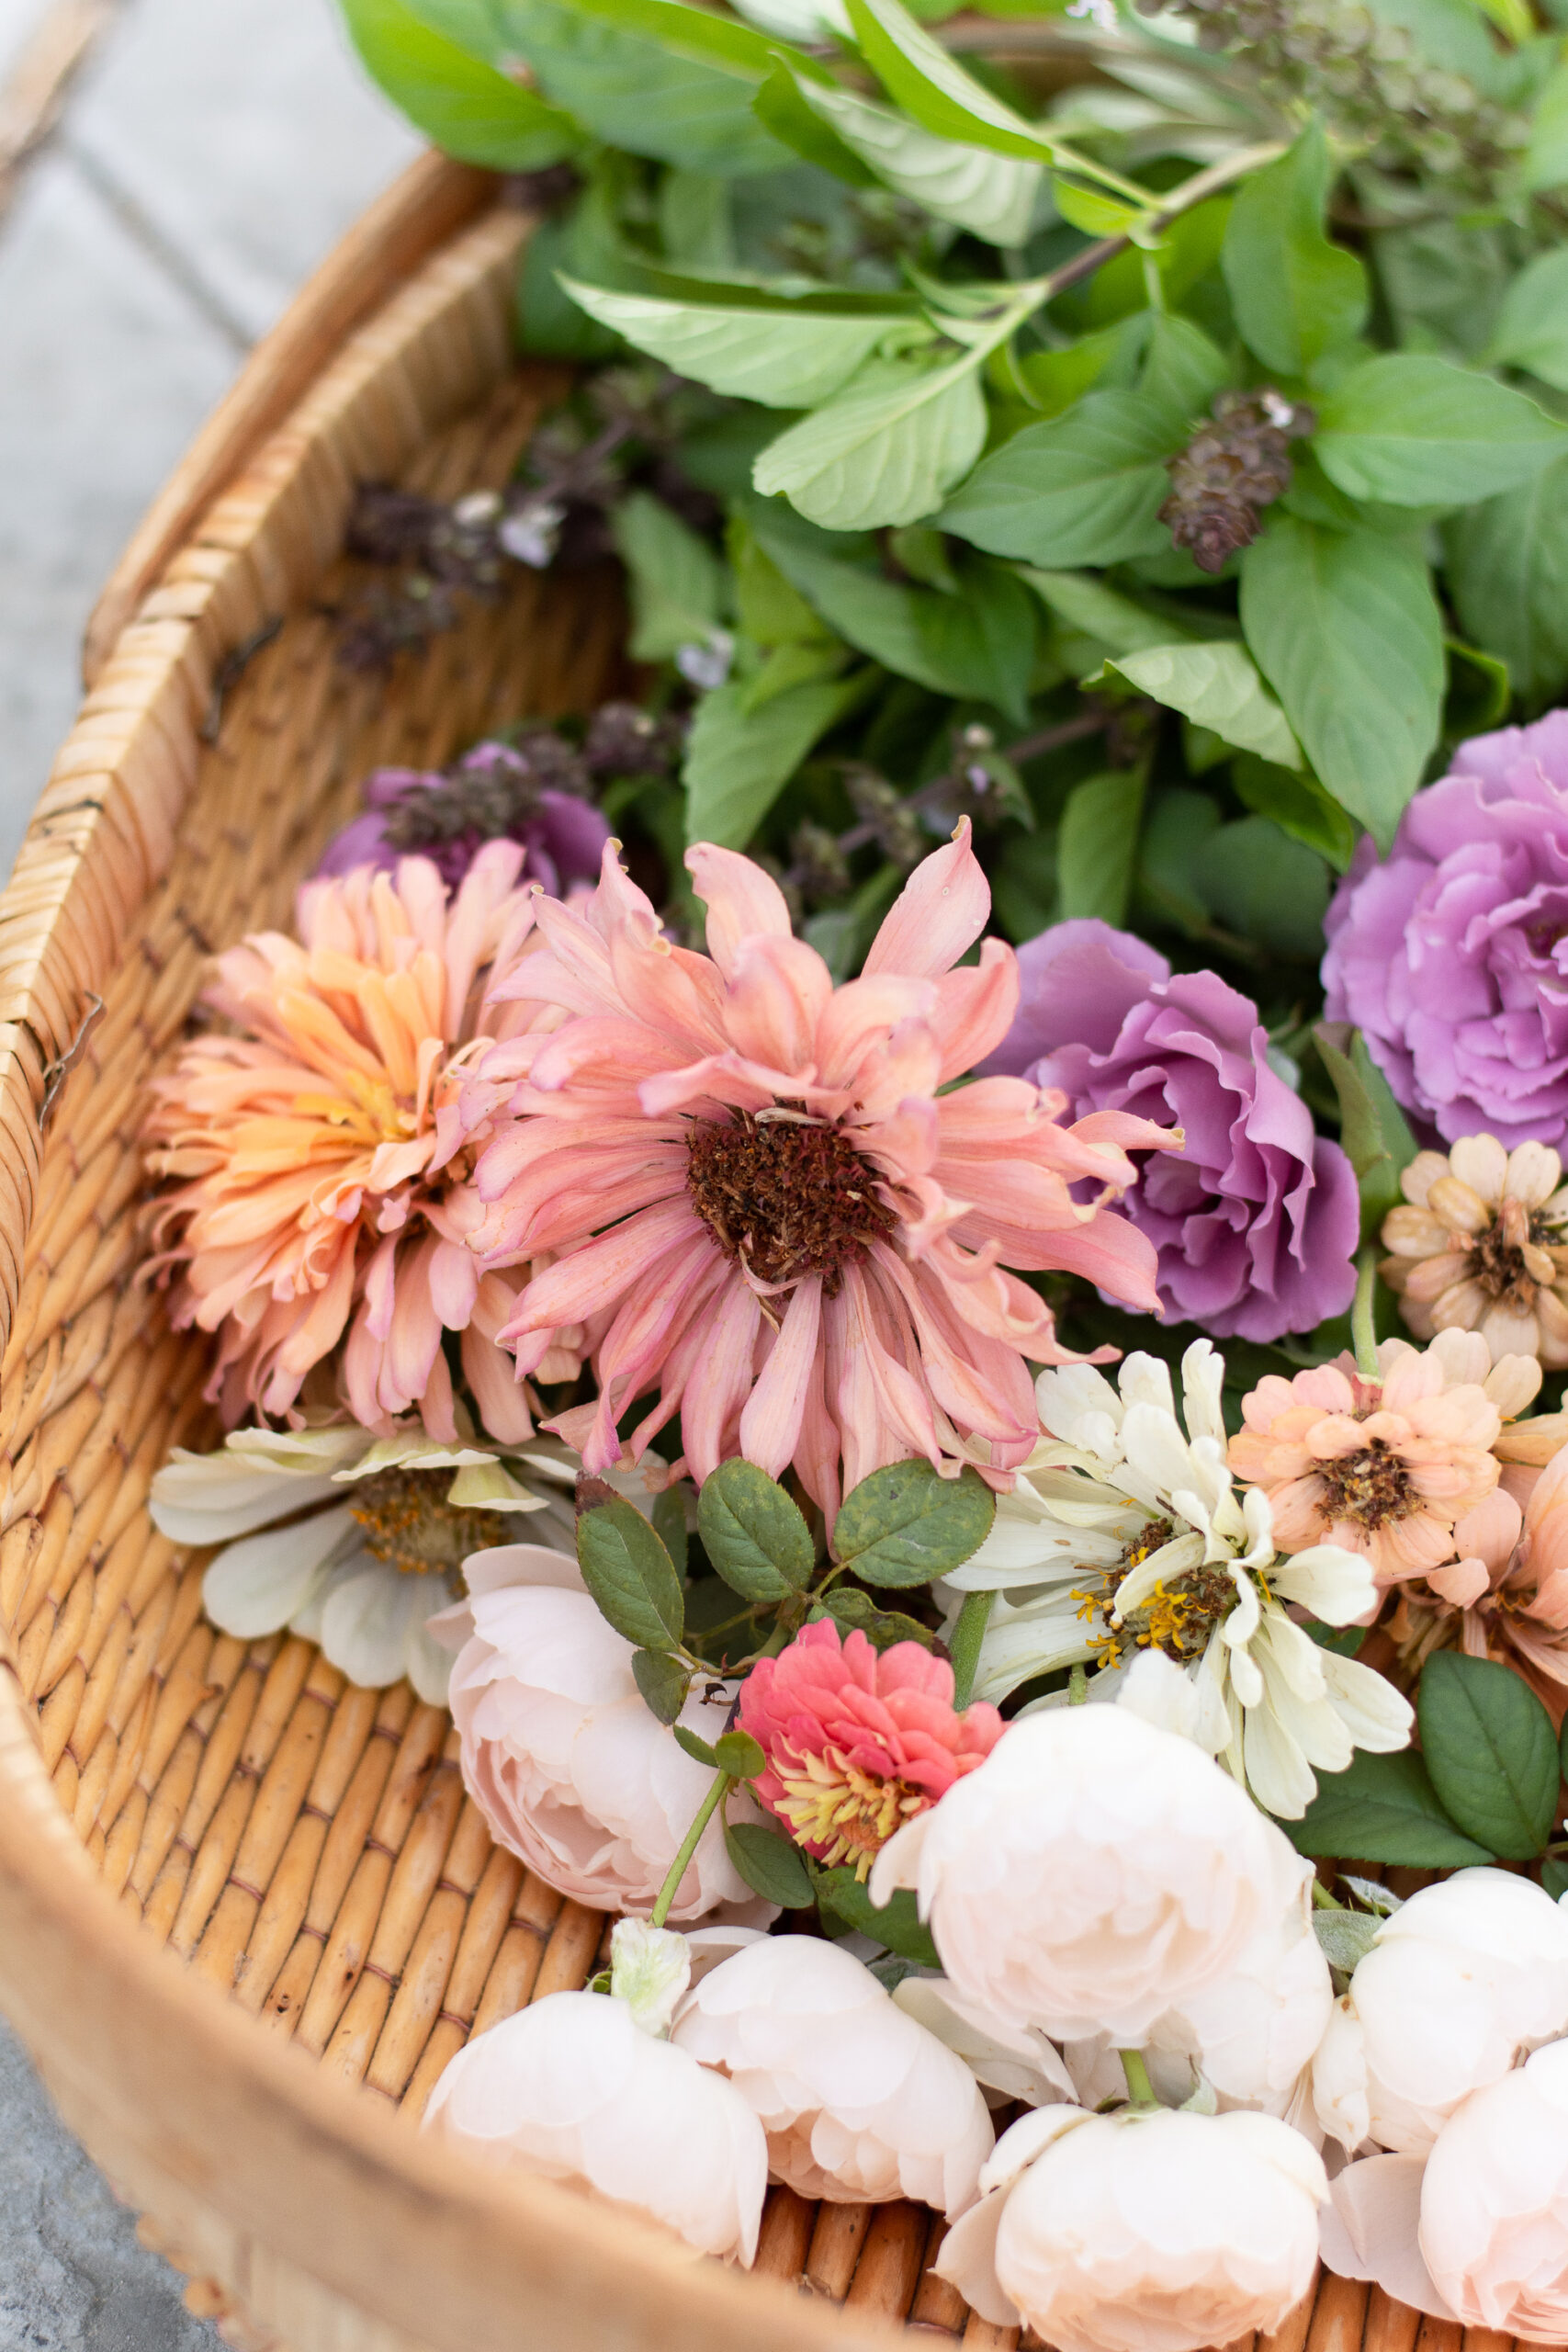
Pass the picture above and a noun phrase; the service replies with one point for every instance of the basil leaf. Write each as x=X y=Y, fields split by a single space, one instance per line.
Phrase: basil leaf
x=1296 y=295
x=1508 y=573
x=1546 y=159
x=663 y=1681
x=753 y=1533
x=905 y=1524
x=457 y=99
x=627 y=1569
x=1383 y=1809
x=1490 y=1750
x=1300 y=806
x=1411 y=430
x=1532 y=325
x=1216 y=687
x=994 y=196
x=1085 y=488
x=738 y=761
x=677 y=582
x=1182 y=372
x=1097 y=849
x=782 y=358
x=887 y=449
x=930 y=85
x=897 y=1923
x=781 y=107
x=769 y=1865
x=1088 y=606
x=1260 y=883
x=1346 y=630
x=1374 y=1129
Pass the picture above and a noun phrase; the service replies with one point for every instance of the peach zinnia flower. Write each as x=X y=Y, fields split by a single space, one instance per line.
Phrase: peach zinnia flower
x=1481 y=1244
x=1383 y=1466
x=766 y=1202
x=323 y=1173
x=857 y=1742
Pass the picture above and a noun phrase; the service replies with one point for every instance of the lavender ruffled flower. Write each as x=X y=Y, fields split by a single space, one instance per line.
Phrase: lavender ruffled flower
x=408 y=809
x=1450 y=955
x=1256 y=1221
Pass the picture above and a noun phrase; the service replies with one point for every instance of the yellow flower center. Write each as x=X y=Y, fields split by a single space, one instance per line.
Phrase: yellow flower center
x=409 y=1522
x=853 y=1813
x=368 y=1109
x=1177 y=1618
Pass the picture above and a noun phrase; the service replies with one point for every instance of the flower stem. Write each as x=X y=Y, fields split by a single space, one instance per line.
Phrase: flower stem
x=1363 y=1332
x=1140 y=2090
x=722 y=1784
x=964 y=1647
x=1321 y=1900
x=1077 y=1686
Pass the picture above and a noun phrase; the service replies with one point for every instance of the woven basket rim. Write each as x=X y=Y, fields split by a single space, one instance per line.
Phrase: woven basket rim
x=291 y=2158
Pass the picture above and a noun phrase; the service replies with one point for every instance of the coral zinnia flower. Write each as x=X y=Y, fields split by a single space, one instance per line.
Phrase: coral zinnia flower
x=1383 y=1467
x=324 y=1176
x=768 y=1203
x=857 y=1742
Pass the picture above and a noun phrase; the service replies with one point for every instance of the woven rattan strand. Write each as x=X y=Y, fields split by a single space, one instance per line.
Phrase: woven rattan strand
x=246 y=1912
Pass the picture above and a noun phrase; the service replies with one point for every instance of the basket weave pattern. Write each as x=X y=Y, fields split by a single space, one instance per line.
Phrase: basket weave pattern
x=303 y=1845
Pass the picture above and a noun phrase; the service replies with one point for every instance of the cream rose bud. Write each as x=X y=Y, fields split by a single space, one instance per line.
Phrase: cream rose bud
x=574 y=2090
x=1091 y=1873
x=1495 y=2203
x=858 y=2101
x=560 y=1750
x=1464 y=1977
x=1140 y=2232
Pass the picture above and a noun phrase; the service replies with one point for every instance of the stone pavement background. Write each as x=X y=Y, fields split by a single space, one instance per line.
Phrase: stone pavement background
x=210 y=152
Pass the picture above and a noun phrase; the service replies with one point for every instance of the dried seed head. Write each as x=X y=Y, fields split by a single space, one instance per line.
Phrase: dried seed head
x=1234 y=465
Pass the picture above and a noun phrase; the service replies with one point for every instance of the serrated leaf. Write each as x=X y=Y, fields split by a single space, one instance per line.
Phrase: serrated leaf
x=896 y=1924
x=1085 y=488
x=1409 y=429
x=905 y=1524
x=677 y=582
x=697 y=1748
x=887 y=449
x=769 y=1865
x=753 y=1533
x=856 y=1613
x=1345 y=629
x=663 y=1681
x=1296 y=295
x=1382 y=1809
x=627 y=1569
x=782 y=359
x=992 y=195
x=1374 y=1129
x=1097 y=848
x=456 y=98
x=1216 y=687
x=738 y=761
x=1343 y=1937
x=1532 y=325
x=740 y=1755
x=1490 y=1748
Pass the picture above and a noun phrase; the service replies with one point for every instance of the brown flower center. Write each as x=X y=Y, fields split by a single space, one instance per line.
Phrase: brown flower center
x=785 y=1193
x=408 y=1522
x=832 y=1802
x=1497 y=1263
x=1179 y=1616
x=1368 y=1489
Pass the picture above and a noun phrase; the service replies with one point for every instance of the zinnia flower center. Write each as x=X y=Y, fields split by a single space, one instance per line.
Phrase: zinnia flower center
x=784 y=1194
x=1508 y=1261
x=839 y=1806
x=1176 y=1617
x=408 y=1522
x=1368 y=1489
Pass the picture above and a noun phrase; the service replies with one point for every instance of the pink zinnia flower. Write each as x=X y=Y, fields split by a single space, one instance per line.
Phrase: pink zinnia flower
x=1386 y=1466
x=858 y=1741
x=767 y=1206
x=324 y=1170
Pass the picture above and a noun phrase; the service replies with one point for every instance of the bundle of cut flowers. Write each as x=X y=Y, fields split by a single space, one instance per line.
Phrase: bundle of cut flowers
x=923 y=1266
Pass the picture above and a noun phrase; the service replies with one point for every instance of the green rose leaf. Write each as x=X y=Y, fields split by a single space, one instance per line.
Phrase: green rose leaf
x=753 y=1533
x=1374 y=1129
x=698 y=1749
x=769 y=1865
x=740 y=1755
x=1532 y=325
x=905 y=1524
x=1407 y=429
x=1216 y=687
x=1383 y=1809
x=1085 y=488
x=1491 y=1751
x=627 y=1569
x=1097 y=849
x=896 y=1924
x=459 y=100
x=677 y=582
x=855 y=1612
x=670 y=1520
x=739 y=758
x=1554 y=1877
x=663 y=1681
x=1346 y=630
x=782 y=357
x=1295 y=293
x=887 y=449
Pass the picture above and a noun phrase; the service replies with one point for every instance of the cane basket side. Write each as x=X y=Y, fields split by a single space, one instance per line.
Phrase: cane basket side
x=247 y=1914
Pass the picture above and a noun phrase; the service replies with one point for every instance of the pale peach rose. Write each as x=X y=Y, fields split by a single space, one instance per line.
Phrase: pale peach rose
x=1141 y=2232
x=572 y=1772
x=858 y=2101
x=1386 y=1466
x=1464 y=1977
x=1495 y=2203
x=574 y=2090
x=1370 y=2228
x=1092 y=1872
x=1481 y=1244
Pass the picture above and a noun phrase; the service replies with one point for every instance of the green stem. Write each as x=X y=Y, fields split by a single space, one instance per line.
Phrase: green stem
x=722 y=1784
x=1321 y=1900
x=1140 y=2090
x=1077 y=1686
x=964 y=1648
x=1364 y=1330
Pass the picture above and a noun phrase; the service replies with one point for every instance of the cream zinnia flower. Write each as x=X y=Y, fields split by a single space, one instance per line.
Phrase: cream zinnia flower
x=355 y=1540
x=1124 y=1536
x=1482 y=1245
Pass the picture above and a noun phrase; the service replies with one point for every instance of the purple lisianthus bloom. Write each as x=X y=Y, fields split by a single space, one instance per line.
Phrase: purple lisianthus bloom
x=410 y=811
x=1256 y=1221
x=1450 y=955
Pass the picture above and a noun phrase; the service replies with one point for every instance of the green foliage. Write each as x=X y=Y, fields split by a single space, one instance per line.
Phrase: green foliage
x=897 y=1923
x=1412 y=431
x=1297 y=295
x=886 y=450
x=855 y=1611
x=457 y=99
x=739 y=760
x=663 y=1681
x=1383 y=1809
x=1374 y=1129
x=677 y=582
x=905 y=1524
x=784 y=355
x=627 y=1570
x=1509 y=566
x=1217 y=687
x=1491 y=1751
x=1084 y=488
x=753 y=1533
x=1532 y=324
x=769 y=1865
x=1098 y=848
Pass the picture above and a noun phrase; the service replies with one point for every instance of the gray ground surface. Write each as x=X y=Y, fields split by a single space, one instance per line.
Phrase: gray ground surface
x=212 y=150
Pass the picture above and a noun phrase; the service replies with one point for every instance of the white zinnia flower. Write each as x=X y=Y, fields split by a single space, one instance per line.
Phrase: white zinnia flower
x=1495 y=2203
x=574 y=2089
x=1465 y=1975
x=1141 y=2232
x=858 y=2101
x=1124 y=1536
x=352 y=1540
x=1091 y=1873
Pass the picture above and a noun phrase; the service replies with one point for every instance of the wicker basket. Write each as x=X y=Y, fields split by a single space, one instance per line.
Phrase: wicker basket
x=246 y=1915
